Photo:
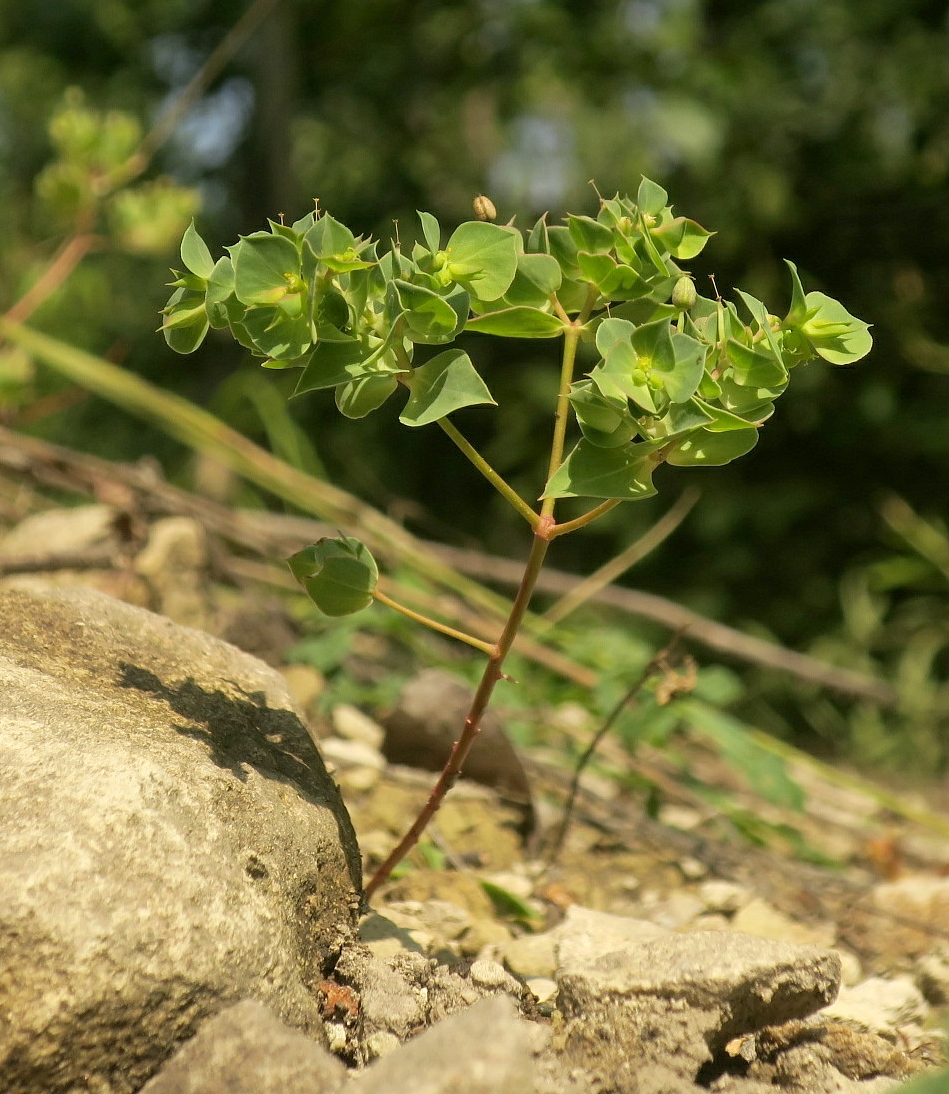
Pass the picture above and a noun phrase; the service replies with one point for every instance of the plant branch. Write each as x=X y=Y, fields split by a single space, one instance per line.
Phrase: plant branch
x=657 y=663
x=571 y=340
x=481 y=464
x=635 y=552
x=472 y=727
x=586 y=518
x=433 y=624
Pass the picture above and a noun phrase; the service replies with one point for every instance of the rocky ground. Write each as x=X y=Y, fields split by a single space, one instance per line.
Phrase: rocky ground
x=650 y=953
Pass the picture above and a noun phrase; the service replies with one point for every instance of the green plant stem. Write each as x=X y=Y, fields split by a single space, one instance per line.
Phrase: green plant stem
x=433 y=624
x=481 y=464
x=571 y=340
x=472 y=727
x=586 y=518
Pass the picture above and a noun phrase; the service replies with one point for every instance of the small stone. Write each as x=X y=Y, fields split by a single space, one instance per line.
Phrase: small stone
x=532 y=954
x=692 y=868
x=932 y=974
x=381 y=1043
x=543 y=988
x=352 y=724
x=493 y=976
x=679 y=909
x=851 y=971
x=880 y=1005
x=485 y=937
x=761 y=919
x=724 y=896
x=305 y=683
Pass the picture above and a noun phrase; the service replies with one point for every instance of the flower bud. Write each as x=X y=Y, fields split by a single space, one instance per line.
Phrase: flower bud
x=684 y=294
x=484 y=208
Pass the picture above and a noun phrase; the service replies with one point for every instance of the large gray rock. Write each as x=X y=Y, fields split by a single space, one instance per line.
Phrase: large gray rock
x=677 y=1000
x=170 y=843
x=246 y=1050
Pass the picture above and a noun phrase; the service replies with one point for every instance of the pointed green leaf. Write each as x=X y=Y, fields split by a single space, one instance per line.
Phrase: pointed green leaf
x=797 y=312
x=483 y=258
x=651 y=198
x=445 y=383
x=604 y=422
x=328 y=238
x=335 y=363
x=563 y=248
x=681 y=418
x=277 y=334
x=518 y=323
x=752 y=368
x=589 y=235
x=537 y=241
x=185 y=324
x=593 y=472
x=538 y=276
x=431 y=231
x=264 y=265
x=430 y=317
x=834 y=333
x=361 y=397
x=223 y=306
x=705 y=449
x=195 y=254
x=339 y=575
x=682 y=238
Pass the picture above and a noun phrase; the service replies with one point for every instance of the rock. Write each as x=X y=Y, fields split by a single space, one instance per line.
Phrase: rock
x=426 y=721
x=62 y=531
x=245 y=1050
x=532 y=954
x=720 y=895
x=169 y=842
x=586 y=935
x=919 y=905
x=932 y=975
x=679 y=999
x=350 y=723
x=174 y=564
x=762 y=919
x=485 y=1049
x=880 y=1005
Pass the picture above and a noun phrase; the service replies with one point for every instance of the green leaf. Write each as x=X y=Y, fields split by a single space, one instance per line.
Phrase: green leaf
x=752 y=368
x=537 y=241
x=338 y=575
x=361 y=397
x=764 y=771
x=223 y=306
x=594 y=472
x=328 y=238
x=443 y=384
x=589 y=235
x=604 y=422
x=760 y=313
x=335 y=363
x=185 y=325
x=538 y=277
x=510 y=904
x=430 y=318
x=263 y=265
x=483 y=258
x=680 y=418
x=706 y=449
x=682 y=238
x=651 y=198
x=277 y=334
x=834 y=333
x=518 y=322
x=619 y=375
x=563 y=248
x=682 y=380
x=431 y=231
x=195 y=254
x=797 y=312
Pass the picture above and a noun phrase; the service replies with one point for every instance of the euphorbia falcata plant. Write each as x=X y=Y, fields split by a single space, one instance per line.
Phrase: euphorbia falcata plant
x=676 y=377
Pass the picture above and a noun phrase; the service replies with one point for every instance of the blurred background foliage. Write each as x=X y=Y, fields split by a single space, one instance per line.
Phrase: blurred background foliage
x=812 y=129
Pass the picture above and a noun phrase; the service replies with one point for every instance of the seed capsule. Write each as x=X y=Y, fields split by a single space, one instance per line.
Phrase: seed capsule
x=484 y=208
x=684 y=294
